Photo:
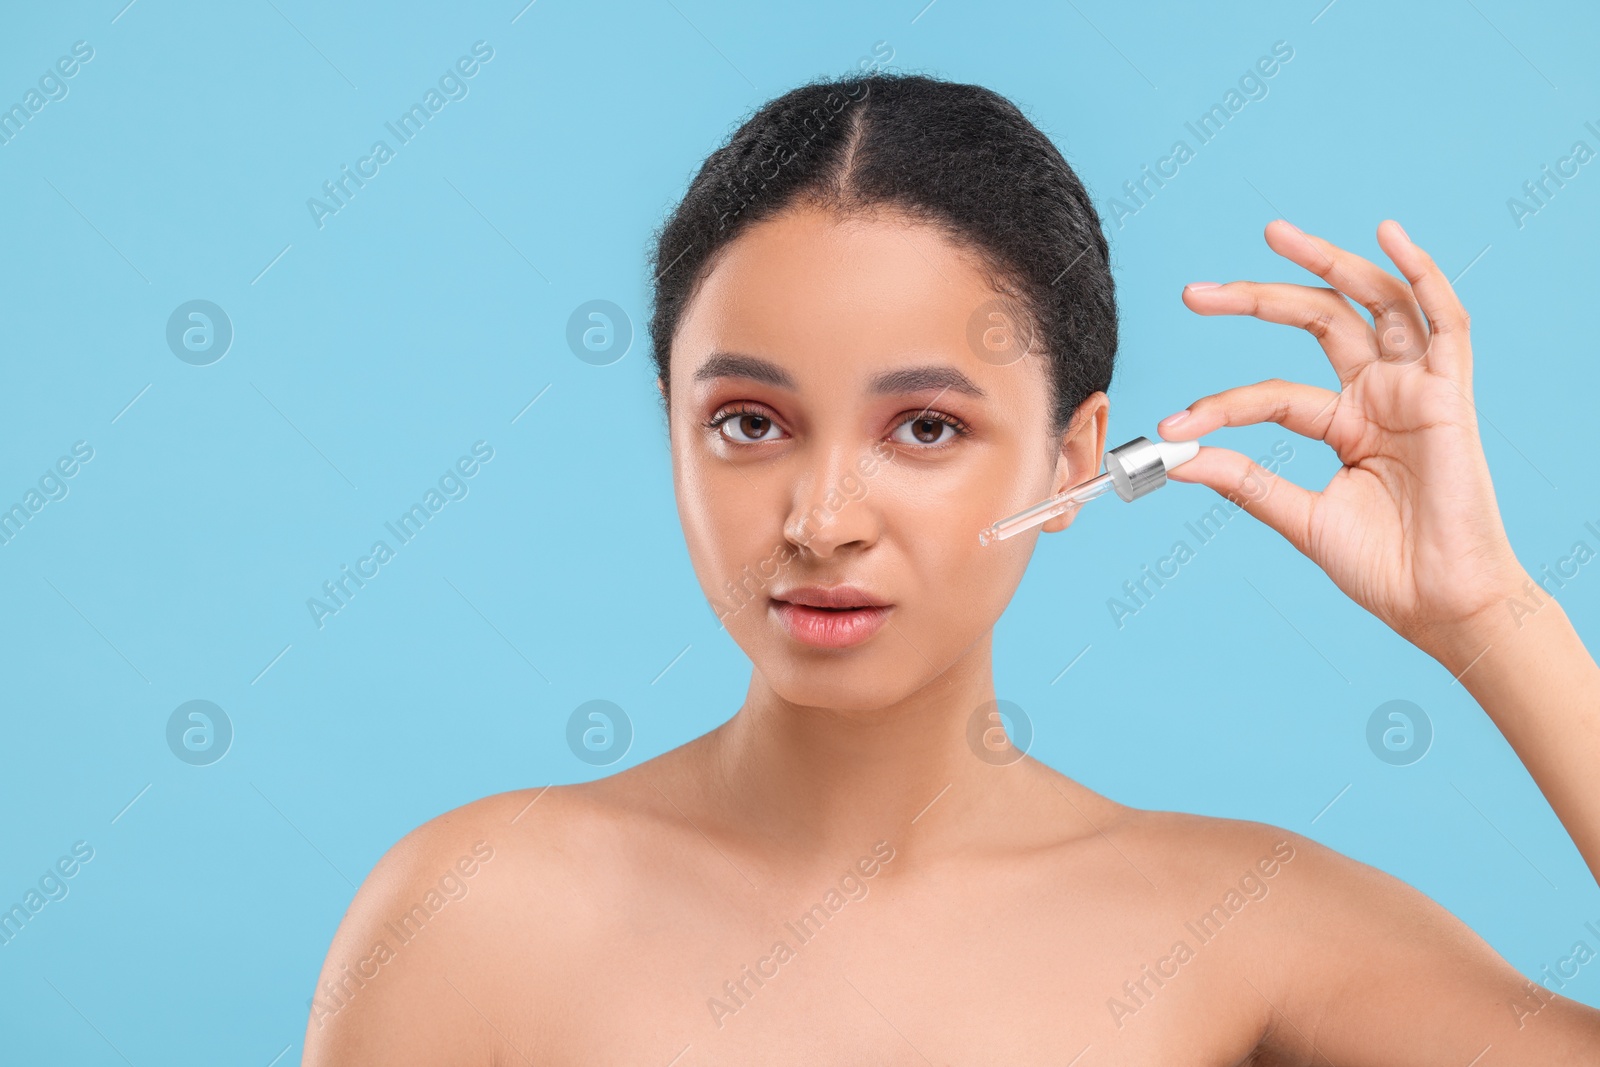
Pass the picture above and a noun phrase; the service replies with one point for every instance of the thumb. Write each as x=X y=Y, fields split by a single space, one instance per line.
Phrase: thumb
x=1277 y=502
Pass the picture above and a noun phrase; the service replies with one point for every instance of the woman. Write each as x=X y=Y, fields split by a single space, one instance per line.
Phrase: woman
x=883 y=317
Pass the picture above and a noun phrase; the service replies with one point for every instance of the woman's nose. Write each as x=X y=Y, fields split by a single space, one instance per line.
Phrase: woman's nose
x=832 y=505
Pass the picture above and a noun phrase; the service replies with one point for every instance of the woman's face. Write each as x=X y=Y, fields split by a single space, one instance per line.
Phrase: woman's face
x=866 y=428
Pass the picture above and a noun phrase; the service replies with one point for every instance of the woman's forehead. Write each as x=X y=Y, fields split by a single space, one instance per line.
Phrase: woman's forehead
x=810 y=254
x=856 y=297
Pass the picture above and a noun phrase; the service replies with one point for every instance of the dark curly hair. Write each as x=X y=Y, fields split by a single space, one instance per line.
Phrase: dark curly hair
x=959 y=157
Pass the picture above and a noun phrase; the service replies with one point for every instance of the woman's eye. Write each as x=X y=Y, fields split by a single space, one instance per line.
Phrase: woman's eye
x=925 y=430
x=748 y=428
x=919 y=431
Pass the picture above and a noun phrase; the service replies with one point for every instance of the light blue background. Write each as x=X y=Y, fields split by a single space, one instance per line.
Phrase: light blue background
x=431 y=310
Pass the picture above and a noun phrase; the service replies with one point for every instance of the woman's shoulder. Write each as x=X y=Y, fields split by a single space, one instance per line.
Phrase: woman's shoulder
x=1289 y=896
x=1179 y=841
x=552 y=825
x=1211 y=853
x=546 y=833
x=1194 y=860
x=498 y=894
x=1202 y=843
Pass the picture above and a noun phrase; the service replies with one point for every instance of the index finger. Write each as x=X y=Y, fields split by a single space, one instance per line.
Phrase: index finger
x=1300 y=408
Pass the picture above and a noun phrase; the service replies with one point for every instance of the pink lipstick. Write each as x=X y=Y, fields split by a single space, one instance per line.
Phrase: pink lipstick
x=838 y=616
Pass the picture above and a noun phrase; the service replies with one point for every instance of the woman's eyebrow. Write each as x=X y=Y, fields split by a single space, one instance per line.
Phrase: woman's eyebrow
x=738 y=365
x=903 y=380
x=933 y=376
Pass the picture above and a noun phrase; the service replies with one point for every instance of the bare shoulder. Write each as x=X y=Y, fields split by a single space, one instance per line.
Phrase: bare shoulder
x=448 y=917
x=1347 y=961
x=1209 y=855
x=1177 y=850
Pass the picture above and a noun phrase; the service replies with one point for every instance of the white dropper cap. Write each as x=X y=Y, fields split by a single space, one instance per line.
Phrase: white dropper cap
x=1141 y=465
x=1174 y=453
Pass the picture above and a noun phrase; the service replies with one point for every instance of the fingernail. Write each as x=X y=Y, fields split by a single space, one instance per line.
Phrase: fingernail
x=1403 y=232
x=1174 y=419
x=1203 y=285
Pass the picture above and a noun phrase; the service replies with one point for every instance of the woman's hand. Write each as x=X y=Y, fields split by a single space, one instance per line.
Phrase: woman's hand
x=1409 y=528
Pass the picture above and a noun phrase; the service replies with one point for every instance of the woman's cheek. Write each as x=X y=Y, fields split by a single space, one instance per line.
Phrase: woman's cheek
x=715 y=540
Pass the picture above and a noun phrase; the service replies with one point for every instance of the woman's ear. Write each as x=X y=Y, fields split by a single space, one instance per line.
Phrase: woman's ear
x=1082 y=448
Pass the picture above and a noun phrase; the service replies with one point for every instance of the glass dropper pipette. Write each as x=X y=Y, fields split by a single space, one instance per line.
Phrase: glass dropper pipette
x=1133 y=469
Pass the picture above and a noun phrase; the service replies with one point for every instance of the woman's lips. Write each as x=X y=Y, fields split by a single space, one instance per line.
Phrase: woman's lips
x=830 y=627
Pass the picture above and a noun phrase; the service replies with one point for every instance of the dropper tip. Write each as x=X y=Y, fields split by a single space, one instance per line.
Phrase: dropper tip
x=986 y=535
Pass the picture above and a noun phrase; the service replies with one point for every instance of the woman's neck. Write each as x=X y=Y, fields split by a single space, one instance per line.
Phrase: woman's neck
x=820 y=780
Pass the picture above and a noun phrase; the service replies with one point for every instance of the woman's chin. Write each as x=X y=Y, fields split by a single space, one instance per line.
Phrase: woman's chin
x=840 y=688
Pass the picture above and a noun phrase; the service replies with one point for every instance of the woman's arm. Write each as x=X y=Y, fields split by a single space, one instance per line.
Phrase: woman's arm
x=1528 y=669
